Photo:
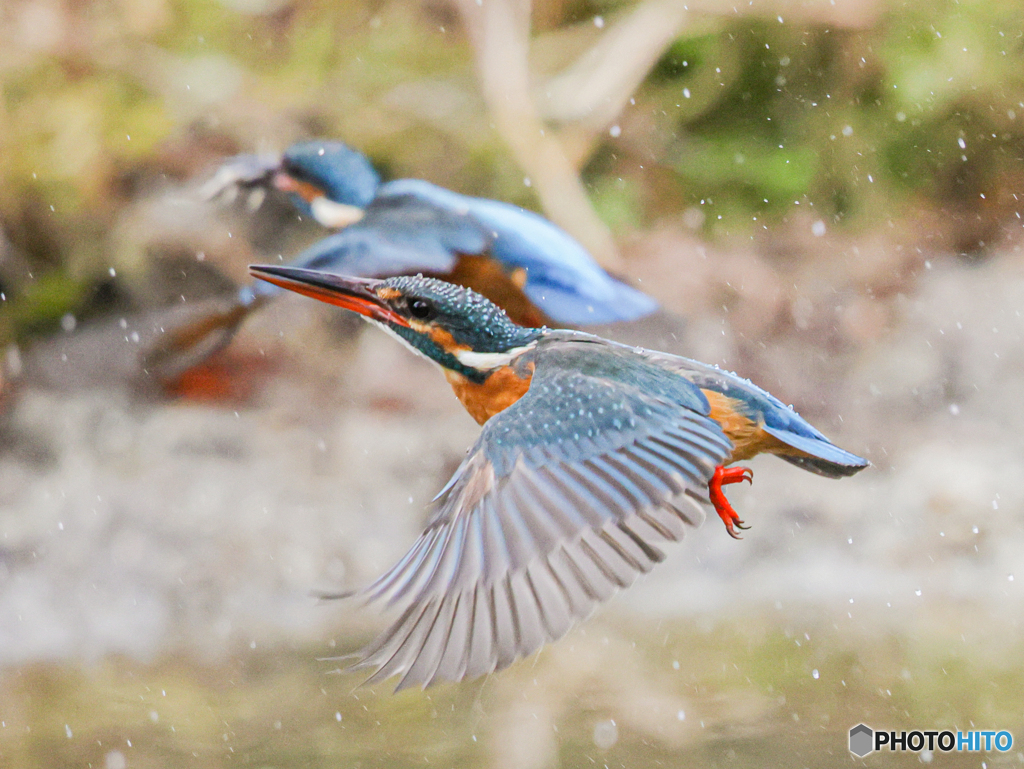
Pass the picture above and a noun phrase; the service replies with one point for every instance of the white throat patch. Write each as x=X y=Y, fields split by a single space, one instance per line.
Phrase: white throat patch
x=334 y=215
x=479 y=361
x=488 y=361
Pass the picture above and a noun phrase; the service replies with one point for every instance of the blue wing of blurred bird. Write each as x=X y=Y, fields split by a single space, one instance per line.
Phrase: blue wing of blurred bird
x=562 y=279
x=399 y=233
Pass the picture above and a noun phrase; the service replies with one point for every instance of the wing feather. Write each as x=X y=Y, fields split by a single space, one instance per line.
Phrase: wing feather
x=553 y=603
x=506 y=624
x=589 y=575
x=482 y=656
x=452 y=663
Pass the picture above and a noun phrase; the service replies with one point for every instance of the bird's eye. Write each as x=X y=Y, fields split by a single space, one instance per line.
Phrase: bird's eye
x=421 y=309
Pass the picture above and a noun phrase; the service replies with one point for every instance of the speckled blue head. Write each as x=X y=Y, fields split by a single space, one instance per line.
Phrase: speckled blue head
x=344 y=175
x=473 y=321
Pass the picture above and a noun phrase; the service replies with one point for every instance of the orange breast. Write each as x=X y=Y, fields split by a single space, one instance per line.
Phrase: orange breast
x=747 y=436
x=499 y=391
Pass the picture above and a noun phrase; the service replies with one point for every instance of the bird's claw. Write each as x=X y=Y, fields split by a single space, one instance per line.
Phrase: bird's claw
x=723 y=477
x=731 y=524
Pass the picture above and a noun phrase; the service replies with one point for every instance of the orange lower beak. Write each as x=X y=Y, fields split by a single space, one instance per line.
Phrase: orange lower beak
x=287 y=183
x=355 y=294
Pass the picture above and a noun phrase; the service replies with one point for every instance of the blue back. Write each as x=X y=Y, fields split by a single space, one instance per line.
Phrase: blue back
x=563 y=280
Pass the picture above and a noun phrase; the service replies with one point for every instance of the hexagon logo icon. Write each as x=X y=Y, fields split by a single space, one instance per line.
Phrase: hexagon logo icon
x=862 y=740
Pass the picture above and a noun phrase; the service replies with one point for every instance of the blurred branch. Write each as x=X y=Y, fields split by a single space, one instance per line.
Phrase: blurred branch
x=590 y=93
x=594 y=89
x=500 y=33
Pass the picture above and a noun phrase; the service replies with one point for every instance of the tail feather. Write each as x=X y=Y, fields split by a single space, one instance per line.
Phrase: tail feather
x=823 y=466
x=820 y=456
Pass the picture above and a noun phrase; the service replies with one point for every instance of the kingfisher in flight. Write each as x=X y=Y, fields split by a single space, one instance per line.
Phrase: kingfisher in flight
x=591 y=453
x=409 y=226
x=517 y=258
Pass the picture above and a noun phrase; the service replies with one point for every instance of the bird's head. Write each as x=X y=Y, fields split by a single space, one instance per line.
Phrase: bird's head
x=453 y=326
x=328 y=180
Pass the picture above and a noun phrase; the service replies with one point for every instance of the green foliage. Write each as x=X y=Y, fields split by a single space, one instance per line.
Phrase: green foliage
x=762 y=174
x=39 y=307
x=924 y=104
x=617 y=201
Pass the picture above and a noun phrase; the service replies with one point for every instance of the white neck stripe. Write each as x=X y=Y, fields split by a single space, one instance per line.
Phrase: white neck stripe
x=334 y=215
x=488 y=361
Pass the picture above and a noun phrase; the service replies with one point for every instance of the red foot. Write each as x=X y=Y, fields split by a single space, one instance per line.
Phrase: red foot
x=722 y=477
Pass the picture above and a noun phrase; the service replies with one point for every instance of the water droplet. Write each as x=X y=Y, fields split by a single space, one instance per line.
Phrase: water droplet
x=606 y=734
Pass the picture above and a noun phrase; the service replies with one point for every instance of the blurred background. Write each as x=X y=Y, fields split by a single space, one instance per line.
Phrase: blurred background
x=824 y=196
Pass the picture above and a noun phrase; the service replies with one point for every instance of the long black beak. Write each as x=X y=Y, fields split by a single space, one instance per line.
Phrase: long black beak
x=355 y=294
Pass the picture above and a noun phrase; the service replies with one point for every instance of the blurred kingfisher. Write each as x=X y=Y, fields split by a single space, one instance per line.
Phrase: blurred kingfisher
x=515 y=257
x=591 y=453
x=409 y=226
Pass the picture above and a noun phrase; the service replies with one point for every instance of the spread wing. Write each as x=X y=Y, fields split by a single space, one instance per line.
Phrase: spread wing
x=561 y=501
